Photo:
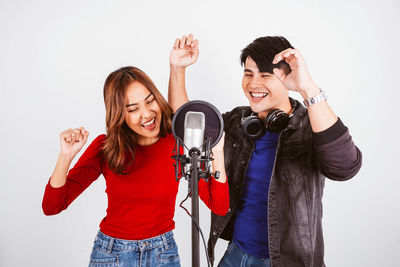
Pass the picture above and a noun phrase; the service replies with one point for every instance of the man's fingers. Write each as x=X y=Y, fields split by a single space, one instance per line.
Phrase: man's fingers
x=186 y=42
x=280 y=56
x=195 y=43
x=183 y=41
x=176 y=44
x=288 y=54
x=195 y=54
x=189 y=40
x=277 y=58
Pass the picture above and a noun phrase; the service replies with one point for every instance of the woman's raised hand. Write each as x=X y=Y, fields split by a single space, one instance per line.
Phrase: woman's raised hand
x=72 y=141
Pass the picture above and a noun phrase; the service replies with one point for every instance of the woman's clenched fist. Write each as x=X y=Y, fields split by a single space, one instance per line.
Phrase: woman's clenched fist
x=72 y=141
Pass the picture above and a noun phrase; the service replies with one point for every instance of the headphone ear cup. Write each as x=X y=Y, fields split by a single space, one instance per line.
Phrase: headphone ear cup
x=276 y=120
x=253 y=127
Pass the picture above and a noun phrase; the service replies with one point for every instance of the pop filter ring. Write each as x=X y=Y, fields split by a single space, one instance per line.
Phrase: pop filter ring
x=210 y=106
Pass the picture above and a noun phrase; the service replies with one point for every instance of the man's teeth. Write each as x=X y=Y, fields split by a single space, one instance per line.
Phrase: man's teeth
x=149 y=122
x=258 y=95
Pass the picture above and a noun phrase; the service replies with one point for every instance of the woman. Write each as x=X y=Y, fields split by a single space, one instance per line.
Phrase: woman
x=135 y=160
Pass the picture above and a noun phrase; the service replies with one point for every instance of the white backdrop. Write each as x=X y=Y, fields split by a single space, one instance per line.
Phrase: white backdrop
x=55 y=56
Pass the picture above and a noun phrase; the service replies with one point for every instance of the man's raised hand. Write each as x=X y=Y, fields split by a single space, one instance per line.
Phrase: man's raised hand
x=184 y=52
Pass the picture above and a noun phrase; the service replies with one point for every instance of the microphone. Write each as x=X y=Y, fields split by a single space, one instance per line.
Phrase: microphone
x=193 y=134
x=193 y=131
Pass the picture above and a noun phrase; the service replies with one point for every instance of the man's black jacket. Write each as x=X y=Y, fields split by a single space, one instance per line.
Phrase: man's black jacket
x=302 y=162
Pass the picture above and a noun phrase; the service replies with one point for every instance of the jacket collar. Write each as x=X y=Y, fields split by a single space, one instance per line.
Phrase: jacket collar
x=299 y=112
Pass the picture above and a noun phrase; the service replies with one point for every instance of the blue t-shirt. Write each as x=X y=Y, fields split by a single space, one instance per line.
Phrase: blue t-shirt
x=251 y=224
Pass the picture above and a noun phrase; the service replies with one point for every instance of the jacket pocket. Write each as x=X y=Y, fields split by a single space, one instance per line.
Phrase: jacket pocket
x=292 y=161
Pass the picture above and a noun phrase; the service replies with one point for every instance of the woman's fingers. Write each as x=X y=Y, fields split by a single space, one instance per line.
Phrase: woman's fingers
x=66 y=136
x=72 y=141
x=74 y=135
x=84 y=135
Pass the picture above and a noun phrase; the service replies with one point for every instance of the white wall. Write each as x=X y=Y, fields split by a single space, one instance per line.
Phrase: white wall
x=55 y=56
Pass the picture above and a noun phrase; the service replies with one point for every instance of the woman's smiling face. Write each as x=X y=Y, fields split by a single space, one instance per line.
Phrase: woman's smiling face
x=143 y=114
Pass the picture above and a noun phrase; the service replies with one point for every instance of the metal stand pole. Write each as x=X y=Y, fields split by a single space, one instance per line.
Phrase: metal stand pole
x=195 y=209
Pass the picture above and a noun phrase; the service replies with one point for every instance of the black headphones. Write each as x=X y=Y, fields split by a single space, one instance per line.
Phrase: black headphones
x=276 y=120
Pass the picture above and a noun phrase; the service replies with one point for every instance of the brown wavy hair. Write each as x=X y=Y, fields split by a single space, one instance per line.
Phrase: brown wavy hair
x=119 y=146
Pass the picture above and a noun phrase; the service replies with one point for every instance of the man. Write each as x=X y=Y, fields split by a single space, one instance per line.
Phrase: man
x=276 y=179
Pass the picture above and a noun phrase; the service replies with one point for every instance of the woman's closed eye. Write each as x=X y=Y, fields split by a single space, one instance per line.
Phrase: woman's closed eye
x=150 y=100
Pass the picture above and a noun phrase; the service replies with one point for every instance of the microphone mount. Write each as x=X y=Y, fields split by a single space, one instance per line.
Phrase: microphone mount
x=181 y=160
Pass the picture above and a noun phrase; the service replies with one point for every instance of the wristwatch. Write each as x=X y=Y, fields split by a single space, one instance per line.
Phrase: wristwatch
x=315 y=99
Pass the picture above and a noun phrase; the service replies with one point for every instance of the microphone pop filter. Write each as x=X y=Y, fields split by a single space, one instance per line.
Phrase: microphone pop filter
x=214 y=124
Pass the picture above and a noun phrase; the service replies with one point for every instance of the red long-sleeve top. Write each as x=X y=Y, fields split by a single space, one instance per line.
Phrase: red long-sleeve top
x=141 y=204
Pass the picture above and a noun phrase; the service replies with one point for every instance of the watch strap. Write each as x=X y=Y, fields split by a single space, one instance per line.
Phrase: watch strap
x=315 y=99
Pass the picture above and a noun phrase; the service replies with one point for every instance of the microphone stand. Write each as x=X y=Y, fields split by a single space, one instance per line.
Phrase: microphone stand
x=193 y=175
x=194 y=154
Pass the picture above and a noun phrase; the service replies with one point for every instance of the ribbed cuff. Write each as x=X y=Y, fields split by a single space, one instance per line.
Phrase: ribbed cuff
x=330 y=134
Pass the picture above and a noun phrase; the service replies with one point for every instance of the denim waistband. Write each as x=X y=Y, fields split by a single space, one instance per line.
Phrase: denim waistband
x=144 y=244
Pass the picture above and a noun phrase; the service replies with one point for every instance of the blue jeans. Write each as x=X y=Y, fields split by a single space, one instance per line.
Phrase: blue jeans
x=236 y=257
x=156 y=251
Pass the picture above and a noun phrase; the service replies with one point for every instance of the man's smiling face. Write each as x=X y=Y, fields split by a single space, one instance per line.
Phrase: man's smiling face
x=263 y=89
